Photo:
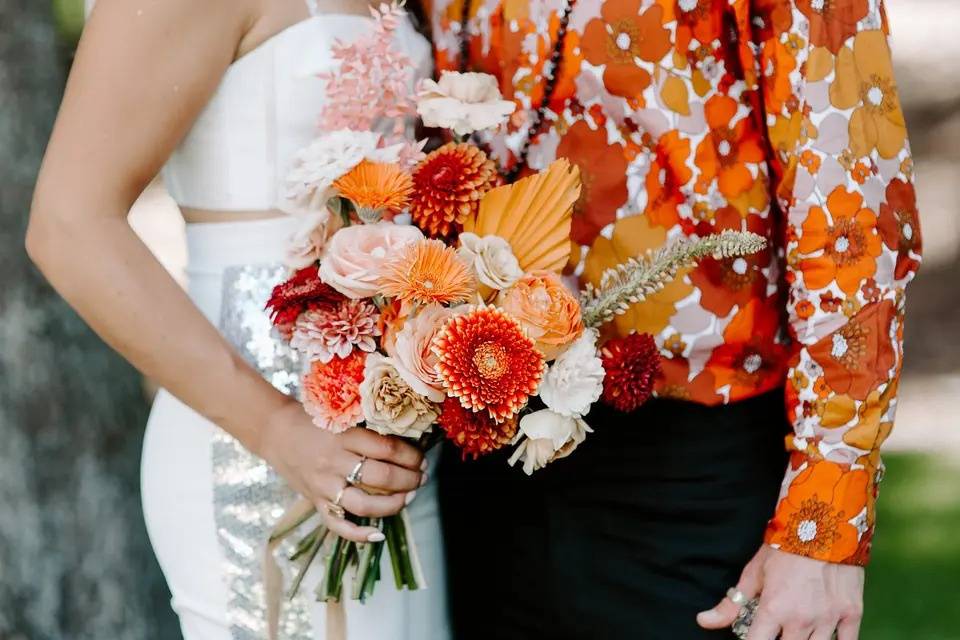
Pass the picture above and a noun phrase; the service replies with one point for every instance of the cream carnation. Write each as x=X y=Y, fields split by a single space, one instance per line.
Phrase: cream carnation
x=309 y=183
x=491 y=259
x=355 y=255
x=546 y=436
x=390 y=406
x=412 y=353
x=575 y=380
x=463 y=102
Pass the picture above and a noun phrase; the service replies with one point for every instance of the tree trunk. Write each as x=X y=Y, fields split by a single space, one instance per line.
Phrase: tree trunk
x=74 y=558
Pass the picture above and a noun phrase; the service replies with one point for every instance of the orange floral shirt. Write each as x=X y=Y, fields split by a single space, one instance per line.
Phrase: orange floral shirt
x=781 y=117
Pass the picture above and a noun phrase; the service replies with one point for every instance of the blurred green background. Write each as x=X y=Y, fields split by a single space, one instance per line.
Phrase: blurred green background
x=912 y=583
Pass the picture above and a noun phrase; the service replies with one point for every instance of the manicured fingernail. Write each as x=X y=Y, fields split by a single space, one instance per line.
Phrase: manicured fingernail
x=410 y=497
x=424 y=465
x=424 y=477
x=376 y=536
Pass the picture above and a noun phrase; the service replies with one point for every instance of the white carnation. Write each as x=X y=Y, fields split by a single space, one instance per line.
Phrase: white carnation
x=575 y=379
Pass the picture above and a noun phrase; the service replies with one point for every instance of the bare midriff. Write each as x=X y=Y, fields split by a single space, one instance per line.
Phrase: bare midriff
x=191 y=215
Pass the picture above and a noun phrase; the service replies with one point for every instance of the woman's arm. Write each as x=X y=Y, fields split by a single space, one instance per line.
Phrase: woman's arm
x=143 y=71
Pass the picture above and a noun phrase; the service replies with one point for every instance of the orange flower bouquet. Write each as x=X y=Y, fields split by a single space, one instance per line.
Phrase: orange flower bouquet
x=427 y=298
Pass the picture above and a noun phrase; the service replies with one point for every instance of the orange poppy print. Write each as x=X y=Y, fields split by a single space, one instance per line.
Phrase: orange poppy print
x=620 y=37
x=814 y=517
x=688 y=117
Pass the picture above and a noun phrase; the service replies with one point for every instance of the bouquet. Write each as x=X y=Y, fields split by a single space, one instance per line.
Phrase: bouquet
x=427 y=297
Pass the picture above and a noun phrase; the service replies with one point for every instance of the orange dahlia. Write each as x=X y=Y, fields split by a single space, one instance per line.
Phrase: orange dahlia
x=488 y=362
x=475 y=433
x=449 y=183
x=376 y=186
x=424 y=272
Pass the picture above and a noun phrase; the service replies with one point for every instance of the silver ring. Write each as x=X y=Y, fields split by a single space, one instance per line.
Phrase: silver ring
x=356 y=474
x=736 y=596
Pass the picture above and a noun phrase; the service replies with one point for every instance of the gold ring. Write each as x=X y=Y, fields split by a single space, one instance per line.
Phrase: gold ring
x=736 y=596
x=336 y=510
x=339 y=498
x=356 y=474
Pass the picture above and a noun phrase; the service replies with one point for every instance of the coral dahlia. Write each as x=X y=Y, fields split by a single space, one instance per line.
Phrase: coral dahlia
x=448 y=185
x=475 y=433
x=331 y=392
x=425 y=272
x=300 y=292
x=334 y=331
x=632 y=366
x=488 y=362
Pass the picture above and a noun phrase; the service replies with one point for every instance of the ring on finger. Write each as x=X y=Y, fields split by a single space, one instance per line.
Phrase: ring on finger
x=356 y=474
x=335 y=508
x=736 y=596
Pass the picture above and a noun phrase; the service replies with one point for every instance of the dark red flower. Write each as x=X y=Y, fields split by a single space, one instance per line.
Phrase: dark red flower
x=302 y=290
x=475 y=432
x=632 y=366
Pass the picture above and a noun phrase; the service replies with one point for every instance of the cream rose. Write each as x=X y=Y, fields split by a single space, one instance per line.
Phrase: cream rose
x=354 y=255
x=412 y=353
x=491 y=258
x=463 y=102
x=306 y=244
x=575 y=380
x=546 y=436
x=390 y=406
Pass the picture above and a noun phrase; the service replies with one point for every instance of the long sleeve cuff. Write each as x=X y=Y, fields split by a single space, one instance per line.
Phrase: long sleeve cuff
x=825 y=511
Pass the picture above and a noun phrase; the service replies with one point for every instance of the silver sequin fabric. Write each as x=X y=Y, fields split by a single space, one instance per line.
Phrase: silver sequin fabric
x=249 y=497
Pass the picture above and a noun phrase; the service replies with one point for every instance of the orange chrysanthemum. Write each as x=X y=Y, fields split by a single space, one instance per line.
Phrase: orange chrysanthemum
x=448 y=186
x=424 y=272
x=488 y=362
x=376 y=186
x=474 y=433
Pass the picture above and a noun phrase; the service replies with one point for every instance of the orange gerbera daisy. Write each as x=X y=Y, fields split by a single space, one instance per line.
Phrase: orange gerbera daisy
x=376 y=187
x=488 y=362
x=814 y=518
x=424 y=272
x=449 y=184
x=849 y=244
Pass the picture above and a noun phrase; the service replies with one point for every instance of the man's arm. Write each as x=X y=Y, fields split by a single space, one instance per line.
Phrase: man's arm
x=842 y=174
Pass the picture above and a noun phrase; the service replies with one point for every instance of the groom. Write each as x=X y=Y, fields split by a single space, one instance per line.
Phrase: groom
x=688 y=117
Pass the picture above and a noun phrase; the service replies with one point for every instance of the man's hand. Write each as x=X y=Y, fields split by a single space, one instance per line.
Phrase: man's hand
x=800 y=598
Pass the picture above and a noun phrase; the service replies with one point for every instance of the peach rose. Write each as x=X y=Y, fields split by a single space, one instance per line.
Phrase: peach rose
x=354 y=255
x=412 y=354
x=546 y=309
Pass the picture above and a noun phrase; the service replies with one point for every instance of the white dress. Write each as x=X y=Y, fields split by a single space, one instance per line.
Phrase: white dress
x=208 y=504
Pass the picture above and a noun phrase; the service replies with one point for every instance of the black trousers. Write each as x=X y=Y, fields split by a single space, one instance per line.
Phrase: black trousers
x=647 y=523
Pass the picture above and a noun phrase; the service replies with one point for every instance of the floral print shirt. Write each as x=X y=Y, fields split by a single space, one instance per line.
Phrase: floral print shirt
x=781 y=117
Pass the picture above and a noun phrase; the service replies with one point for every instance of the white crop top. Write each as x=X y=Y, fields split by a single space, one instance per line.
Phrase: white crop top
x=237 y=153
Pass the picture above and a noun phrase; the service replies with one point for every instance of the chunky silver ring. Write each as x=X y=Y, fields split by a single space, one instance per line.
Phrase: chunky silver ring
x=736 y=596
x=356 y=474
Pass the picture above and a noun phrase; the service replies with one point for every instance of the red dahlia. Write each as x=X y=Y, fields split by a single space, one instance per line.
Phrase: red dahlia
x=448 y=185
x=488 y=362
x=476 y=433
x=631 y=366
x=291 y=298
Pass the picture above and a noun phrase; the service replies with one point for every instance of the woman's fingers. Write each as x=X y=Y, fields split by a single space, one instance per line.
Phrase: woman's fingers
x=849 y=628
x=383 y=477
x=351 y=531
x=824 y=632
x=764 y=628
x=362 y=504
x=725 y=613
x=367 y=443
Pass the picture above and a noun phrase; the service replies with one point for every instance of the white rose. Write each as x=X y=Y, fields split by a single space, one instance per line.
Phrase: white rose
x=546 y=436
x=575 y=379
x=491 y=258
x=390 y=406
x=463 y=102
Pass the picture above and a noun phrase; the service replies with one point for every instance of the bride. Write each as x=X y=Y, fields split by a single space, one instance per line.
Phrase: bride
x=223 y=93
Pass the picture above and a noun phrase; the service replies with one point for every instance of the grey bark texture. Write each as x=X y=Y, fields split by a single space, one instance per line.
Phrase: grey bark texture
x=75 y=563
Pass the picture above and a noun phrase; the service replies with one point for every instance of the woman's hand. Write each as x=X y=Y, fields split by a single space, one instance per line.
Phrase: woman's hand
x=316 y=463
x=800 y=598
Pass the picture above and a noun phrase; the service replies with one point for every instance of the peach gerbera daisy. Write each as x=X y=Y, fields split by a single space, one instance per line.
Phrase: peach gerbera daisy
x=488 y=362
x=425 y=272
x=375 y=187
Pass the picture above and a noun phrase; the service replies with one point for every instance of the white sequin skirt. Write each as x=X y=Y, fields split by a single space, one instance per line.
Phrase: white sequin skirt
x=209 y=504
